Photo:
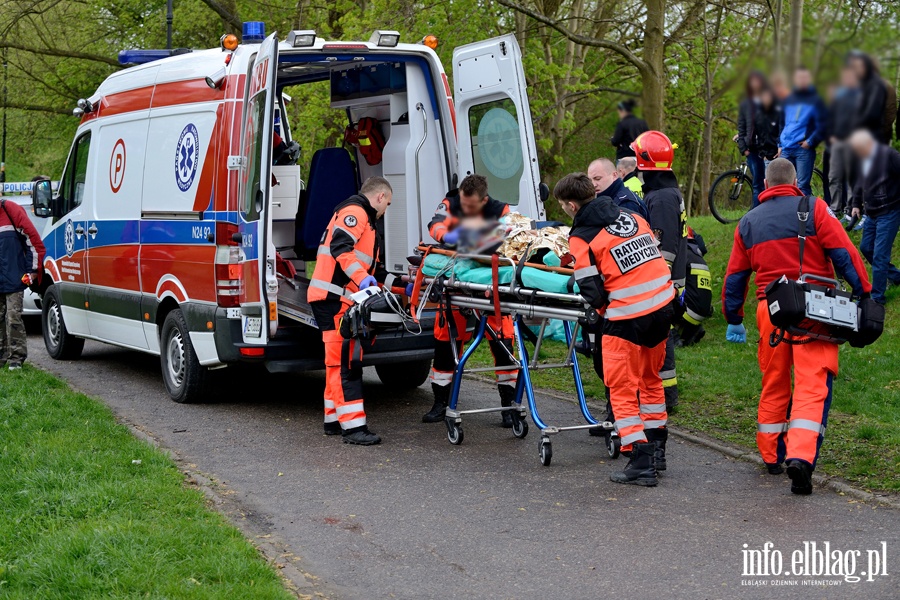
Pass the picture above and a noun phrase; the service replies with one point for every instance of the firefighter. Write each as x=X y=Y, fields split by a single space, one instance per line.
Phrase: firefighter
x=621 y=273
x=470 y=200
x=791 y=425
x=347 y=261
x=654 y=154
x=695 y=299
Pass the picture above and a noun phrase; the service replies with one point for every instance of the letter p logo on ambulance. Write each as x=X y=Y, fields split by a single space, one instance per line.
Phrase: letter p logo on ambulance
x=187 y=156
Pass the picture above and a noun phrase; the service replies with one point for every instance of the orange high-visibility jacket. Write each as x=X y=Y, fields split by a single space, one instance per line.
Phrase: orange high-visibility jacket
x=348 y=252
x=618 y=265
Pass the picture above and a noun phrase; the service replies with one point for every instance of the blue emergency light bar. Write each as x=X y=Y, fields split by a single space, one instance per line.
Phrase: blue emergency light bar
x=254 y=32
x=142 y=57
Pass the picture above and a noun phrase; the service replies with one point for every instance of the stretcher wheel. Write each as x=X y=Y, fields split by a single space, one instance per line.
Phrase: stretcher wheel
x=520 y=427
x=613 y=445
x=546 y=450
x=454 y=433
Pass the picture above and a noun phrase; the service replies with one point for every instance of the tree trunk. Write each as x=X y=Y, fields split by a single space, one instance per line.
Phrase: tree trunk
x=795 y=35
x=778 y=58
x=653 y=92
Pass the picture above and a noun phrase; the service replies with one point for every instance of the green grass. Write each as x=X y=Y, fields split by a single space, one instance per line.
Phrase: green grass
x=81 y=519
x=719 y=384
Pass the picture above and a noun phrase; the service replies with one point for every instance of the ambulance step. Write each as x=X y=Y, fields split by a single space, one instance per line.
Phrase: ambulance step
x=292 y=302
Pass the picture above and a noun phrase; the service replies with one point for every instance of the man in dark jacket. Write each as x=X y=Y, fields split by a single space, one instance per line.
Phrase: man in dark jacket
x=804 y=127
x=876 y=189
x=759 y=129
x=873 y=94
x=842 y=120
x=627 y=129
x=606 y=182
x=655 y=155
x=21 y=257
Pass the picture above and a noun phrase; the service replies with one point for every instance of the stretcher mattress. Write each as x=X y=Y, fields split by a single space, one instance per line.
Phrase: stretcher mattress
x=472 y=271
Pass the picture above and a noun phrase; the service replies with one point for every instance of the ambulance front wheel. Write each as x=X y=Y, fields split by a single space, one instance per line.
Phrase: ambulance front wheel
x=60 y=344
x=185 y=377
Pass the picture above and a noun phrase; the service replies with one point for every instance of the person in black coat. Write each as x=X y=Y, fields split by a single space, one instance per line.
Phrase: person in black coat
x=873 y=94
x=756 y=127
x=627 y=129
x=842 y=121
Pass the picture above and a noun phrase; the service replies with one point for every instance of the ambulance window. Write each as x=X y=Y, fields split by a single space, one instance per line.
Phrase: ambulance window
x=254 y=147
x=497 y=147
x=71 y=189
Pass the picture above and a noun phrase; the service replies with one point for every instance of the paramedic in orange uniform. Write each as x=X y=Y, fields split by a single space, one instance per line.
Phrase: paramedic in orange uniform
x=470 y=200
x=621 y=273
x=791 y=424
x=346 y=263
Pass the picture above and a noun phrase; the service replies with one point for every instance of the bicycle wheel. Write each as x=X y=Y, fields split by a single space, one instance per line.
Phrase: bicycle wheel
x=730 y=196
x=817 y=184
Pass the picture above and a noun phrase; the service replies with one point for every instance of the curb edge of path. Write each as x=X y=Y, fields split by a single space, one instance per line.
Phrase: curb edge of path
x=833 y=483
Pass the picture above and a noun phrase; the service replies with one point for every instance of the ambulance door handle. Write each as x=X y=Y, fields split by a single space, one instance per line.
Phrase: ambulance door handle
x=237 y=237
x=92 y=230
x=79 y=230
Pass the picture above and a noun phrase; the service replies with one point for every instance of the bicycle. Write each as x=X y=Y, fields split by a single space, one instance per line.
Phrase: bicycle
x=731 y=194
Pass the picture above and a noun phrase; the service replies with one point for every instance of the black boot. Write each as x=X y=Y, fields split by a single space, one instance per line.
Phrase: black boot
x=640 y=469
x=801 y=477
x=774 y=468
x=333 y=428
x=507 y=398
x=361 y=436
x=658 y=437
x=441 y=399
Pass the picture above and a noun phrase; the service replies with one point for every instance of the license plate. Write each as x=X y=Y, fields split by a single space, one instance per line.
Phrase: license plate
x=253 y=326
x=233 y=313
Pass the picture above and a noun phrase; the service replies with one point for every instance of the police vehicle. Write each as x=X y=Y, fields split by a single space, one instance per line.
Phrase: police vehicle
x=173 y=233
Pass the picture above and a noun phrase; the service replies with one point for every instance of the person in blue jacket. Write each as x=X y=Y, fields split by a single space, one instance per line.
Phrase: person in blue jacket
x=804 y=127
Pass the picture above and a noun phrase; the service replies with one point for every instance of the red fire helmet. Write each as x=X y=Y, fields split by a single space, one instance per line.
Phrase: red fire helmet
x=654 y=151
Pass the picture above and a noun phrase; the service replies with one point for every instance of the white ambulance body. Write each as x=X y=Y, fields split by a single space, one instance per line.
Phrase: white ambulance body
x=168 y=236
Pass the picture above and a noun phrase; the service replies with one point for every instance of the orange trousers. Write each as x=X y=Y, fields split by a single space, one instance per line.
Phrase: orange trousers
x=633 y=354
x=443 y=368
x=791 y=422
x=343 y=382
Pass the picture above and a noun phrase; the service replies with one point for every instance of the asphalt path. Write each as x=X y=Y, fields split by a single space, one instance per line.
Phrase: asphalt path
x=418 y=518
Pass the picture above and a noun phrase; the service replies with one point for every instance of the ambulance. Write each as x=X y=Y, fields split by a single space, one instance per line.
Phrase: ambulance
x=173 y=233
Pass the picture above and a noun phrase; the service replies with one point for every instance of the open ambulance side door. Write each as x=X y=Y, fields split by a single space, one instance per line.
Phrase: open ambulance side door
x=259 y=286
x=494 y=129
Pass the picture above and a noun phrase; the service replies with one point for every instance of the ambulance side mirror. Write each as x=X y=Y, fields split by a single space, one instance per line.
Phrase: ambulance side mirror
x=544 y=191
x=42 y=197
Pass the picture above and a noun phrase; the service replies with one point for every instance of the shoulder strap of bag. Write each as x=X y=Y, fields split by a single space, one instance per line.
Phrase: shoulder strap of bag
x=803 y=217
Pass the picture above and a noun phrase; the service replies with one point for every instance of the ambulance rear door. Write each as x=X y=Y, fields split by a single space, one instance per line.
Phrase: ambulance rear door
x=494 y=129
x=259 y=285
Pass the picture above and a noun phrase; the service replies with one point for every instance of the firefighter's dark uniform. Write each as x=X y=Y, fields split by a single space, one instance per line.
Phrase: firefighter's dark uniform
x=667 y=214
x=446 y=219
x=695 y=301
x=347 y=255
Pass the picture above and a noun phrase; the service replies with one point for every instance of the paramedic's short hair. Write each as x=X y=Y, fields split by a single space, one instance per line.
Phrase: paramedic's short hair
x=780 y=172
x=375 y=185
x=474 y=185
x=627 y=162
x=608 y=167
x=574 y=187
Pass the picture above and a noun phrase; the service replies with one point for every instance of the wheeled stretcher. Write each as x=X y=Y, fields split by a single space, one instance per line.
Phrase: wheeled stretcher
x=504 y=294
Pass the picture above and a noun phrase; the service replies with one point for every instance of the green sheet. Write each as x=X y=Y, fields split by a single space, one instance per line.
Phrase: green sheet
x=475 y=272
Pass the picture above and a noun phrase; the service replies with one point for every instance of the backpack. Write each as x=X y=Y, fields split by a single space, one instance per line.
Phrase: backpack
x=367 y=137
x=890 y=110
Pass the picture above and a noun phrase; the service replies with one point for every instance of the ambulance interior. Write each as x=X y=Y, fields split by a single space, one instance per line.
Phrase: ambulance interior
x=397 y=92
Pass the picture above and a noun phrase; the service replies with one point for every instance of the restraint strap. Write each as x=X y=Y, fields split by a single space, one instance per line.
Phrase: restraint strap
x=495 y=281
x=803 y=217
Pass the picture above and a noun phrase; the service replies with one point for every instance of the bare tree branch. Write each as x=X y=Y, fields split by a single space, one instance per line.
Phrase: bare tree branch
x=37 y=108
x=61 y=53
x=227 y=16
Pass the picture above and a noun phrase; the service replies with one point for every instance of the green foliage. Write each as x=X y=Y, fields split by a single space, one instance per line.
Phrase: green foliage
x=90 y=511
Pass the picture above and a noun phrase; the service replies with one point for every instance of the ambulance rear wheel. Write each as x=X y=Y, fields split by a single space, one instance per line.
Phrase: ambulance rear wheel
x=60 y=344
x=404 y=375
x=182 y=372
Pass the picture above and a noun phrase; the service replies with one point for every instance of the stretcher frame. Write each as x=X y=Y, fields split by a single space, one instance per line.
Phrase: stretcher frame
x=521 y=303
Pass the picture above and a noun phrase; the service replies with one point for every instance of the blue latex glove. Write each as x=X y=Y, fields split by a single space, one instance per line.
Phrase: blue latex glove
x=736 y=334
x=451 y=237
x=369 y=281
x=409 y=289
